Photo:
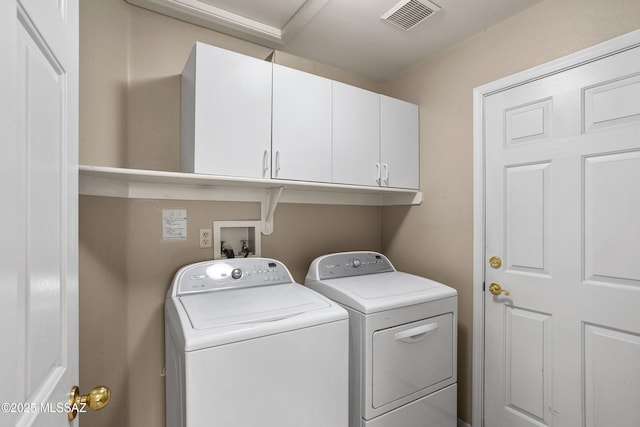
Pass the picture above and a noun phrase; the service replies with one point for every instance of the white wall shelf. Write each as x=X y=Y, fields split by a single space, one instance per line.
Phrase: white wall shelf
x=147 y=184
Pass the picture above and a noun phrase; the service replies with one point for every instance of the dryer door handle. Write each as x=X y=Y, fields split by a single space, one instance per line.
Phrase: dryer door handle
x=416 y=334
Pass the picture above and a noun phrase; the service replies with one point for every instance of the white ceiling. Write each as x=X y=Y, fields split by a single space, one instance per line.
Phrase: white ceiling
x=347 y=34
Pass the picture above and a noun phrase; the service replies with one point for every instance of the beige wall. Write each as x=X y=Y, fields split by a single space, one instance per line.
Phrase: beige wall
x=129 y=117
x=130 y=65
x=126 y=269
x=435 y=239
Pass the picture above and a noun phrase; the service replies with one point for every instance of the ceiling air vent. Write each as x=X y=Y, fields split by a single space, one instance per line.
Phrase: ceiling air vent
x=409 y=13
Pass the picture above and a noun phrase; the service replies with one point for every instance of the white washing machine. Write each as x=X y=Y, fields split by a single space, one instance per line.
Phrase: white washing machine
x=403 y=340
x=247 y=347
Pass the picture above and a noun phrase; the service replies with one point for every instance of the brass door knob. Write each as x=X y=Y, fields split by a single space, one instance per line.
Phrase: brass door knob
x=97 y=399
x=495 y=262
x=496 y=289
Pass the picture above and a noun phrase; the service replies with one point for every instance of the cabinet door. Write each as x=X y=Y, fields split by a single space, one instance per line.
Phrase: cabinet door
x=301 y=140
x=356 y=135
x=226 y=113
x=399 y=143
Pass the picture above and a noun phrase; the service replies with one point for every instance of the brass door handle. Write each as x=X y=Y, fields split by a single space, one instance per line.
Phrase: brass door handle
x=97 y=399
x=495 y=262
x=496 y=289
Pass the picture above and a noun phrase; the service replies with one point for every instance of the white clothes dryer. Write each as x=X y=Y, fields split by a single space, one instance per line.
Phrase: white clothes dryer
x=403 y=341
x=246 y=346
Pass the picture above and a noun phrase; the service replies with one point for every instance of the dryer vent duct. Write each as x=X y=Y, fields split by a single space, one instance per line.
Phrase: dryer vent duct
x=409 y=13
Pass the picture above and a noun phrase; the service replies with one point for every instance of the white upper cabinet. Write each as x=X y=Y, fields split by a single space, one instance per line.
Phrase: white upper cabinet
x=356 y=135
x=244 y=117
x=301 y=127
x=375 y=139
x=399 y=143
x=226 y=113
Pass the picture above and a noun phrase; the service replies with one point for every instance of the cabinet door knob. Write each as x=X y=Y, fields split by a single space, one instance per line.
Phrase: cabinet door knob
x=378 y=173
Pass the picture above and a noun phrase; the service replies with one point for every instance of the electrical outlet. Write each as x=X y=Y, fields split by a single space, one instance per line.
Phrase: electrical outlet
x=205 y=237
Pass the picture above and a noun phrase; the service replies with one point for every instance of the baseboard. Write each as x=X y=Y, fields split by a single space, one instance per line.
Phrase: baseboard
x=462 y=423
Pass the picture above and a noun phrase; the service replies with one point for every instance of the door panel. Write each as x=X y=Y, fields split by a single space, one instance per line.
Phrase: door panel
x=562 y=208
x=611 y=376
x=43 y=91
x=528 y=355
x=610 y=227
x=612 y=103
x=46 y=239
x=527 y=217
x=527 y=123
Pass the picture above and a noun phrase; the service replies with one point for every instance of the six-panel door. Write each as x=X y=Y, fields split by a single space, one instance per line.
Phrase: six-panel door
x=563 y=213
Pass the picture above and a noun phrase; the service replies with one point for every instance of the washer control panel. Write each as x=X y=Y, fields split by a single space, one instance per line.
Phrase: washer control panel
x=230 y=273
x=348 y=264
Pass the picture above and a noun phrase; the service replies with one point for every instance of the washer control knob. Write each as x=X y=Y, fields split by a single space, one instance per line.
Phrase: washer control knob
x=236 y=273
x=356 y=263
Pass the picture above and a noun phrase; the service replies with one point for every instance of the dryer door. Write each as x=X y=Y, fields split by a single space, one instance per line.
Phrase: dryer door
x=411 y=357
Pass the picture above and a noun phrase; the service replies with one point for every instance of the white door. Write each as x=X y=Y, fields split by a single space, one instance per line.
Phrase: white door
x=39 y=289
x=301 y=127
x=563 y=214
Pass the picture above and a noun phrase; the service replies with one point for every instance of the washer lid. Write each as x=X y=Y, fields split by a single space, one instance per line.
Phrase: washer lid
x=384 y=291
x=249 y=305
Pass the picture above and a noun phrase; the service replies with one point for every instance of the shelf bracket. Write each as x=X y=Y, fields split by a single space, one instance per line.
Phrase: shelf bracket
x=268 y=208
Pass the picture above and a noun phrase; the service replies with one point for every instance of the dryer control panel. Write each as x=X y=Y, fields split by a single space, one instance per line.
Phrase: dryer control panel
x=230 y=274
x=348 y=264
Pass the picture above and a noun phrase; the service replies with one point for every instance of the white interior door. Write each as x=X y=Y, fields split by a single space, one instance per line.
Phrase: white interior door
x=562 y=211
x=39 y=215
